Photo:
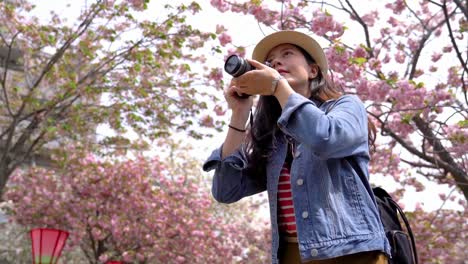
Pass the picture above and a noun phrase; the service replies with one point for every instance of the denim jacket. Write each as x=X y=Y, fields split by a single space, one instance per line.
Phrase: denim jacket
x=335 y=214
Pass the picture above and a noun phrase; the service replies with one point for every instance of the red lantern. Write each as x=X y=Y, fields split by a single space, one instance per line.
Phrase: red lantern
x=47 y=244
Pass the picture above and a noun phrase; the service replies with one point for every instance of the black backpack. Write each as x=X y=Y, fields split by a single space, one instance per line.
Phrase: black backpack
x=402 y=241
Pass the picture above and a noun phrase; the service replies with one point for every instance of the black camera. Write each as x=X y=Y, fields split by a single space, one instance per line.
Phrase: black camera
x=236 y=66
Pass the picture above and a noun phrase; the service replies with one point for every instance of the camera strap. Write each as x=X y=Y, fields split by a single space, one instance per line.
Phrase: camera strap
x=251 y=118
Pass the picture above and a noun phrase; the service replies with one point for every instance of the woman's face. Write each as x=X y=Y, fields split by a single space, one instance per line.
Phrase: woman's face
x=289 y=61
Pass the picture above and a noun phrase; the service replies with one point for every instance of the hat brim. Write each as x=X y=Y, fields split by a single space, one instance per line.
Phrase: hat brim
x=302 y=40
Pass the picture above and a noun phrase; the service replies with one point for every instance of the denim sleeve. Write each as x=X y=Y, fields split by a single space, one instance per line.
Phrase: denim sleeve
x=231 y=181
x=339 y=133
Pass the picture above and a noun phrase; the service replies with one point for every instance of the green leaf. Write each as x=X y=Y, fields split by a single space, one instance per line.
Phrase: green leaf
x=72 y=85
x=256 y=2
x=463 y=123
x=187 y=67
x=66 y=127
x=51 y=129
x=340 y=49
x=406 y=118
x=358 y=60
x=51 y=38
x=137 y=67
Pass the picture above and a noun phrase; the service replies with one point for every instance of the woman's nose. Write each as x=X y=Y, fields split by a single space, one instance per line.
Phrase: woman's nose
x=275 y=63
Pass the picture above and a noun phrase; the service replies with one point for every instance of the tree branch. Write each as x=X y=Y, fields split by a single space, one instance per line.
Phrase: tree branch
x=418 y=164
x=415 y=15
x=364 y=25
x=464 y=9
x=449 y=163
x=408 y=146
x=423 y=40
x=441 y=206
x=452 y=38
x=52 y=61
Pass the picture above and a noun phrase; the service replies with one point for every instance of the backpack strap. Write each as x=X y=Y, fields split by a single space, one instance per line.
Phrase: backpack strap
x=388 y=199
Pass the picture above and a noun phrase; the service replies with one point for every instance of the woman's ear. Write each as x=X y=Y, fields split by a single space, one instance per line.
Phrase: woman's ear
x=313 y=71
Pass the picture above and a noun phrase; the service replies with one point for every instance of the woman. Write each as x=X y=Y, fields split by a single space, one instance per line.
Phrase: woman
x=299 y=148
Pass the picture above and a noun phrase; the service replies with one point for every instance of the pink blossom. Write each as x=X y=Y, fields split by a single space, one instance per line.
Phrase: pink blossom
x=362 y=88
x=378 y=90
x=447 y=49
x=418 y=73
x=386 y=59
x=220 y=29
x=393 y=21
x=359 y=52
x=398 y=125
x=219 y=110
x=224 y=39
x=370 y=18
x=221 y=5
x=216 y=75
x=397 y=6
x=324 y=25
x=442 y=196
x=418 y=206
x=138 y=5
x=400 y=57
x=436 y=56
x=453 y=78
x=198 y=233
x=263 y=14
x=375 y=64
x=207 y=121
x=413 y=45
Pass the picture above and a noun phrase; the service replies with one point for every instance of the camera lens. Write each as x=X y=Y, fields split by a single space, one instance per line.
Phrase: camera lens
x=236 y=66
x=232 y=64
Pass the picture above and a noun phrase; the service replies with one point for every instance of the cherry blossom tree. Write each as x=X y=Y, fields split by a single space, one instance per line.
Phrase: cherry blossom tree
x=407 y=60
x=137 y=211
x=59 y=79
x=440 y=235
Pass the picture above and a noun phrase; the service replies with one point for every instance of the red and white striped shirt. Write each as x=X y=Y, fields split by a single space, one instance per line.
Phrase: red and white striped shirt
x=286 y=220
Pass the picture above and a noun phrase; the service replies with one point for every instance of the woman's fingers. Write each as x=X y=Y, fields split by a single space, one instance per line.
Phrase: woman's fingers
x=257 y=81
x=256 y=64
x=235 y=91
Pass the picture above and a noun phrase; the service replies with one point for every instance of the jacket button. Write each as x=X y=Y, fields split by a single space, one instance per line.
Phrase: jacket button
x=305 y=214
x=314 y=252
x=300 y=181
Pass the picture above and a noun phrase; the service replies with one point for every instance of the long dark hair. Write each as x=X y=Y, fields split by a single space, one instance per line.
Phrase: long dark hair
x=260 y=142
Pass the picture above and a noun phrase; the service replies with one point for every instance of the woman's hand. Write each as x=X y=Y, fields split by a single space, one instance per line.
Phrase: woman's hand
x=258 y=81
x=239 y=105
